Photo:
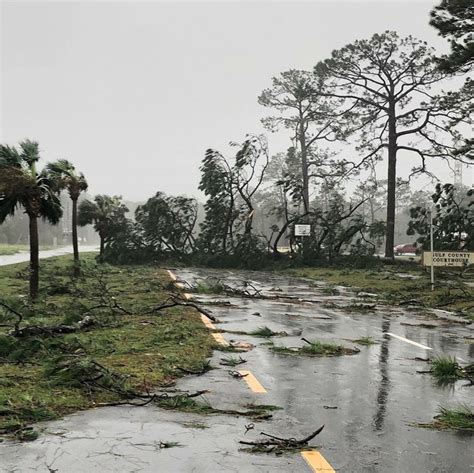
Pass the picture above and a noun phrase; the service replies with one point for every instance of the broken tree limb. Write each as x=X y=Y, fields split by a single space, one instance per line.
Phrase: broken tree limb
x=174 y=301
x=272 y=442
x=32 y=330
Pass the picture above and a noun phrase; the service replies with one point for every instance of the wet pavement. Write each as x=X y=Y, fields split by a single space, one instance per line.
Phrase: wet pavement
x=369 y=402
x=24 y=256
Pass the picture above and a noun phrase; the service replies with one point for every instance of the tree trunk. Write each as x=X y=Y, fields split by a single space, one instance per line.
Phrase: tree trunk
x=304 y=163
x=34 y=257
x=304 y=171
x=391 y=182
x=102 y=245
x=75 y=245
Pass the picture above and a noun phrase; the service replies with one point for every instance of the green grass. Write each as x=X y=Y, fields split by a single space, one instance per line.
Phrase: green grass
x=391 y=288
x=458 y=418
x=138 y=352
x=264 y=332
x=330 y=291
x=316 y=348
x=366 y=341
x=445 y=369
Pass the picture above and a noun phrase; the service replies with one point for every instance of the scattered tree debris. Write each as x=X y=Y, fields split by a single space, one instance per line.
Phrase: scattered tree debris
x=267 y=332
x=204 y=368
x=237 y=374
x=273 y=444
x=248 y=427
x=316 y=348
x=175 y=300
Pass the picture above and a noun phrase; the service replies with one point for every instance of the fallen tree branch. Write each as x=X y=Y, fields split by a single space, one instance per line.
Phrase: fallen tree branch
x=279 y=443
x=83 y=324
x=178 y=301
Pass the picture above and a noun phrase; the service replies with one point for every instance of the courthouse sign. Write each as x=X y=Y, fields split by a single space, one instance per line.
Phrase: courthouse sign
x=302 y=230
x=448 y=258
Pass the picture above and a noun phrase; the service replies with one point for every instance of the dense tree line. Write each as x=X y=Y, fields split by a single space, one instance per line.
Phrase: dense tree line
x=376 y=98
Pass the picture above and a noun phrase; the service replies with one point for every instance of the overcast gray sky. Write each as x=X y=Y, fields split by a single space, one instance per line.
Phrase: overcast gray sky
x=133 y=93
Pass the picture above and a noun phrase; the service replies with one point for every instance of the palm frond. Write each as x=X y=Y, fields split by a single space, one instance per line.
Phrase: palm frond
x=29 y=152
x=9 y=157
x=50 y=208
x=8 y=206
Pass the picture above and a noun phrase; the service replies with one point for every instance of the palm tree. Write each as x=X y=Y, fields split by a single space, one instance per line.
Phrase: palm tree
x=66 y=177
x=106 y=213
x=21 y=185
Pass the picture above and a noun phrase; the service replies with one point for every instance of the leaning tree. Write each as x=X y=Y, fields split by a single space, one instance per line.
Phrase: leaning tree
x=230 y=186
x=22 y=185
x=387 y=82
x=67 y=177
x=106 y=213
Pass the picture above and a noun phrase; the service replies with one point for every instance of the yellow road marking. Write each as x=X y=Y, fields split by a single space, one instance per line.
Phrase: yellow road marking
x=187 y=295
x=253 y=383
x=179 y=284
x=220 y=339
x=207 y=322
x=172 y=276
x=317 y=462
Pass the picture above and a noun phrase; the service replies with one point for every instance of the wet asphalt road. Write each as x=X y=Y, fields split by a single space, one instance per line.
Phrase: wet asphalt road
x=24 y=256
x=369 y=402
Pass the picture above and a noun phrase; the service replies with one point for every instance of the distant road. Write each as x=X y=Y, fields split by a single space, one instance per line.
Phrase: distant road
x=23 y=256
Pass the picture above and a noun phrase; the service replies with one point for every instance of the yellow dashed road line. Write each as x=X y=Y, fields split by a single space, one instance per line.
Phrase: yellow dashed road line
x=220 y=339
x=313 y=458
x=253 y=382
x=207 y=322
x=317 y=462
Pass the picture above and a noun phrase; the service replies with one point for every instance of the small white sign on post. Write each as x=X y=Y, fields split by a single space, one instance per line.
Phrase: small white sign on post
x=302 y=230
x=448 y=258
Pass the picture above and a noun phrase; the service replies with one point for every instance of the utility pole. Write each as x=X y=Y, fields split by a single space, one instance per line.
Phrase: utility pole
x=431 y=248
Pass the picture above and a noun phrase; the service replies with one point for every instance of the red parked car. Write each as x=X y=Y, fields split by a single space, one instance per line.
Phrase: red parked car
x=405 y=248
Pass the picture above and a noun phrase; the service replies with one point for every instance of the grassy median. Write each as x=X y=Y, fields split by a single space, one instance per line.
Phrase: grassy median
x=403 y=283
x=122 y=347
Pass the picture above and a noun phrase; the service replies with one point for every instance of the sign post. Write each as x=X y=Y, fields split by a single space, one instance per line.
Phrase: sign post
x=431 y=248
x=302 y=230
